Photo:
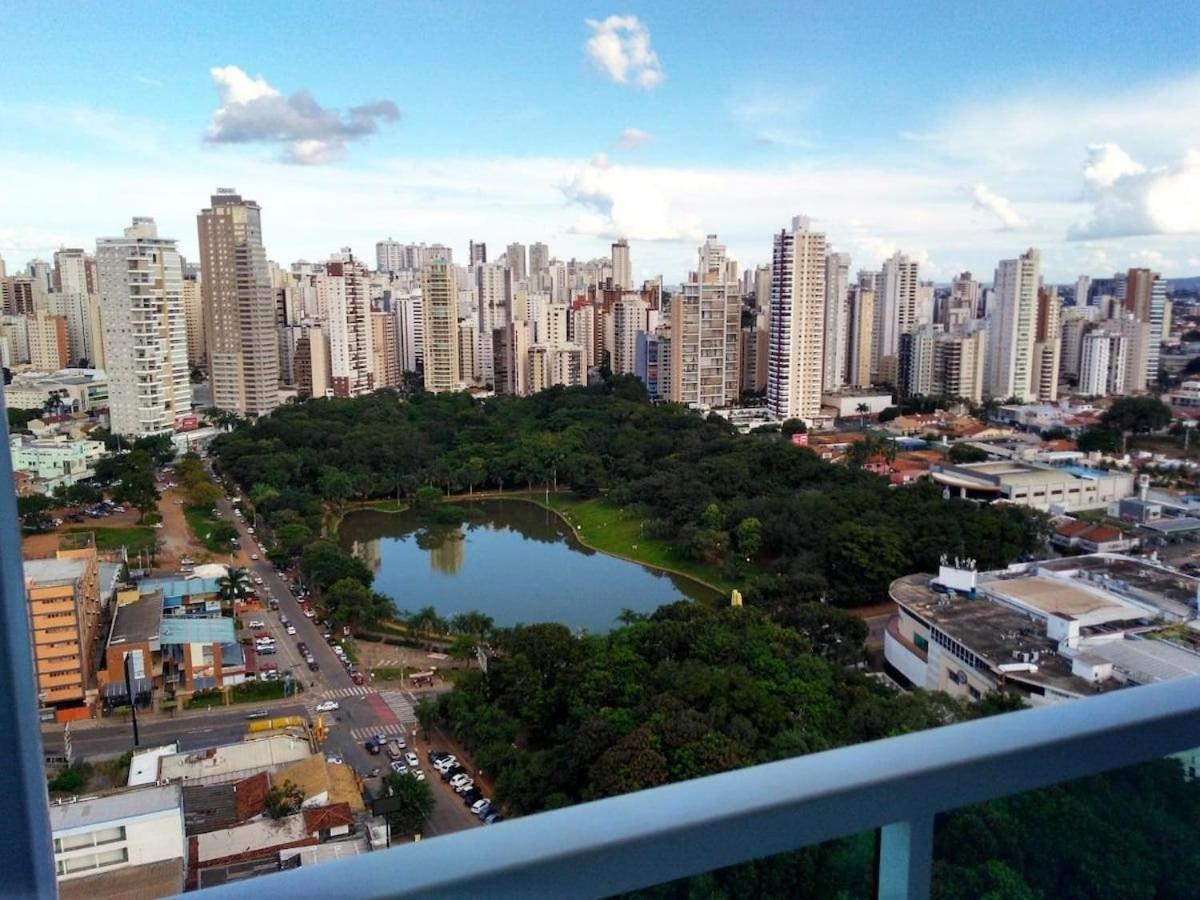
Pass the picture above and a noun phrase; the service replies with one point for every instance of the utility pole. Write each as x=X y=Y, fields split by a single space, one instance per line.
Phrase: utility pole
x=129 y=691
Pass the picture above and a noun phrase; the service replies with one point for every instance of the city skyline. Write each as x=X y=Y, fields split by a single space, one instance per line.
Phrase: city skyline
x=955 y=172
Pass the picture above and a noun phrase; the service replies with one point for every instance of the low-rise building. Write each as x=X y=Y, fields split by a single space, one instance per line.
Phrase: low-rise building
x=66 y=390
x=846 y=404
x=55 y=460
x=1049 y=631
x=1047 y=488
x=233 y=762
x=126 y=844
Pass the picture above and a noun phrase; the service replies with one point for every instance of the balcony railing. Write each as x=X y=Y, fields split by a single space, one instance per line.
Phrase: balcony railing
x=896 y=785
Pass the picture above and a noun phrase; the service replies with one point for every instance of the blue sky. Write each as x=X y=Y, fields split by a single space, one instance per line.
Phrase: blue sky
x=960 y=135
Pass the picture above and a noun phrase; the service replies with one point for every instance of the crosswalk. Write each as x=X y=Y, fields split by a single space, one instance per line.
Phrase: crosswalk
x=399 y=704
x=361 y=734
x=358 y=690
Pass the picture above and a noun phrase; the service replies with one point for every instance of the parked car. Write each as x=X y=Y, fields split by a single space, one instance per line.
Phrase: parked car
x=357 y=677
x=417 y=774
x=258 y=714
x=394 y=750
x=399 y=768
x=256 y=623
x=460 y=779
x=492 y=818
x=290 y=629
x=411 y=759
x=327 y=706
x=313 y=666
x=335 y=759
x=372 y=747
x=481 y=807
x=472 y=796
x=252 y=555
x=463 y=787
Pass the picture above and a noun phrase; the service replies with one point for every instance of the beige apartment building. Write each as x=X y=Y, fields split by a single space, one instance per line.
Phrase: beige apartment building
x=439 y=297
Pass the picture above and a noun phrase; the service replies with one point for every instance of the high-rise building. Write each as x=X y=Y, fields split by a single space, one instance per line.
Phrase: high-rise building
x=539 y=258
x=797 y=322
x=1047 y=345
x=1076 y=320
x=762 y=292
x=468 y=351
x=239 y=306
x=439 y=294
x=493 y=287
x=706 y=317
x=964 y=291
x=622 y=266
x=1103 y=358
x=476 y=253
x=914 y=365
x=343 y=294
x=48 y=346
x=895 y=313
x=74 y=272
x=862 y=335
x=310 y=362
x=837 y=321
x=18 y=294
x=1083 y=285
x=1146 y=300
x=581 y=323
x=193 y=316
x=510 y=350
x=753 y=359
x=958 y=361
x=391 y=256
x=76 y=309
x=552 y=325
x=412 y=331
x=629 y=316
x=385 y=349
x=1012 y=329
x=517 y=261
x=1137 y=348
x=145 y=336
x=63 y=594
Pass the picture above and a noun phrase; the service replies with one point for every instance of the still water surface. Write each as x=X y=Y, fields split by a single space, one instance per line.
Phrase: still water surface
x=515 y=561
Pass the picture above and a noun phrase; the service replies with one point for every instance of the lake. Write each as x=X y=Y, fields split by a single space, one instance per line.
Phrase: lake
x=515 y=561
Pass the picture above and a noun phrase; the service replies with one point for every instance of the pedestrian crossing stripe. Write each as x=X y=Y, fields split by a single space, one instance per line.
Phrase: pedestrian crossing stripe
x=356 y=691
x=361 y=734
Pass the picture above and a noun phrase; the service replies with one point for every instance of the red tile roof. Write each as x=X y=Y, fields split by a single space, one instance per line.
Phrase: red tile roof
x=322 y=818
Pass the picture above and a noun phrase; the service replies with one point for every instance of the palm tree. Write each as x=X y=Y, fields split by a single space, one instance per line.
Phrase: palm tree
x=235 y=585
x=426 y=621
x=473 y=623
x=862 y=409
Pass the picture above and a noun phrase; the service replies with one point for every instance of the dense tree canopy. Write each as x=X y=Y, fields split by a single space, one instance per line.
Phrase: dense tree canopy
x=778 y=507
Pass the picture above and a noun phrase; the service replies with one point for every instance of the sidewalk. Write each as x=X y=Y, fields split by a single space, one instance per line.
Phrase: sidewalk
x=149 y=716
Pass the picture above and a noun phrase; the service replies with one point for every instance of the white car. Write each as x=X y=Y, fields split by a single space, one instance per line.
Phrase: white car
x=446 y=762
x=480 y=805
x=417 y=774
x=459 y=780
x=256 y=623
x=258 y=579
x=327 y=706
x=291 y=629
x=411 y=759
x=250 y=531
x=254 y=556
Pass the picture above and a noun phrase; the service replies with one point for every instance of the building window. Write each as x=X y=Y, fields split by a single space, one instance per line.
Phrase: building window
x=921 y=641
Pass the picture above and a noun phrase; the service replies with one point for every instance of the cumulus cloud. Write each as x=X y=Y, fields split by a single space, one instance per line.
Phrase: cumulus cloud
x=619 y=47
x=624 y=202
x=1127 y=198
x=989 y=201
x=252 y=111
x=632 y=138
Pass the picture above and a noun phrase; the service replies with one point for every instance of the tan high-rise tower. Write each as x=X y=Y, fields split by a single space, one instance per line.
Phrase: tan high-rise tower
x=794 y=357
x=239 y=306
x=439 y=296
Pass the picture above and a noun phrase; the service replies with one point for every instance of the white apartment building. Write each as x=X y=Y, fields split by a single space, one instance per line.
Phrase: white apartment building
x=837 y=320
x=797 y=323
x=439 y=293
x=145 y=335
x=238 y=305
x=622 y=266
x=629 y=316
x=1103 y=359
x=706 y=318
x=895 y=313
x=1012 y=329
x=343 y=293
x=493 y=286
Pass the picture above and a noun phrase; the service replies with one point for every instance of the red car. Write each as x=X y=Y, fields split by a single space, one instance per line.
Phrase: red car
x=357 y=677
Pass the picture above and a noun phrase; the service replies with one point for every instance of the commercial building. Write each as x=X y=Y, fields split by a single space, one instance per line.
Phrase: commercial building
x=797 y=322
x=63 y=594
x=74 y=390
x=1046 y=488
x=145 y=334
x=239 y=306
x=55 y=460
x=846 y=403
x=439 y=327
x=706 y=317
x=127 y=844
x=1048 y=631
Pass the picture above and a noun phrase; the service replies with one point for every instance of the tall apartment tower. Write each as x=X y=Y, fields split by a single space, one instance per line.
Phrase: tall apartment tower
x=517 y=261
x=145 y=337
x=1146 y=301
x=439 y=295
x=539 y=258
x=343 y=293
x=762 y=291
x=193 y=315
x=896 y=310
x=797 y=322
x=1102 y=361
x=706 y=318
x=476 y=253
x=1047 y=345
x=49 y=349
x=493 y=288
x=239 y=306
x=629 y=316
x=1012 y=329
x=837 y=320
x=622 y=266
x=390 y=256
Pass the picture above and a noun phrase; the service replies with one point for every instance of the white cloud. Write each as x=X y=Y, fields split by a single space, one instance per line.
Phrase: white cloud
x=632 y=138
x=1129 y=199
x=622 y=201
x=619 y=47
x=989 y=201
x=252 y=111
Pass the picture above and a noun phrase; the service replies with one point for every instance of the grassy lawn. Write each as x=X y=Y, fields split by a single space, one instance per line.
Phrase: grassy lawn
x=390 y=674
x=247 y=692
x=209 y=529
x=393 y=506
x=612 y=530
x=138 y=538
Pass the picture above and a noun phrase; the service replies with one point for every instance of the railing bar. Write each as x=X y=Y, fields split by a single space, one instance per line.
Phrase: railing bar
x=905 y=860
x=634 y=840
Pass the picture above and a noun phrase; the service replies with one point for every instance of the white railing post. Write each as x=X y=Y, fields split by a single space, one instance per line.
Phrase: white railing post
x=905 y=860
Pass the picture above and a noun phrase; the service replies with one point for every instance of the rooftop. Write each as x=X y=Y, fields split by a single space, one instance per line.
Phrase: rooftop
x=54 y=571
x=1145 y=661
x=92 y=811
x=143 y=766
x=137 y=622
x=180 y=587
x=1132 y=580
x=216 y=764
x=187 y=630
x=249 y=838
x=163 y=878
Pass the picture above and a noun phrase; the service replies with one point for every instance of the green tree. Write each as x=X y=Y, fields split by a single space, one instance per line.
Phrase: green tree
x=1136 y=415
x=284 y=799
x=748 y=535
x=1104 y=440
x=473 y=622
x=965 y=453
x=350 y=602
x=324 y=563
x=426 y=621
x=416 y=803
x=234 y=585
x=463 y=648
x=136 y=485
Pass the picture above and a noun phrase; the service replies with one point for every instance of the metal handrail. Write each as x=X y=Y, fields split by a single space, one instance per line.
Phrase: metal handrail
x=897 y=784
